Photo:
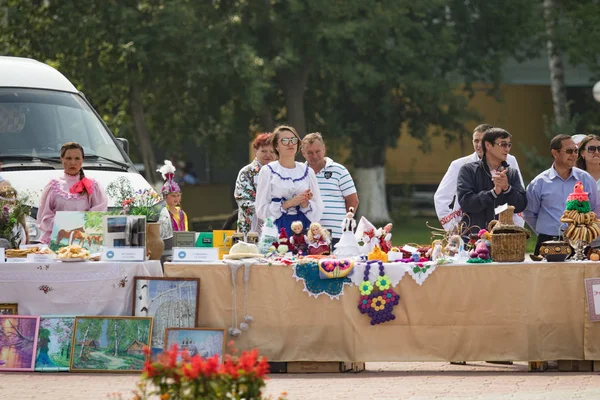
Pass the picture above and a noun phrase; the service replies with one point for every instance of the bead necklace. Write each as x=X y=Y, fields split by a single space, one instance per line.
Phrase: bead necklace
x=377 y=301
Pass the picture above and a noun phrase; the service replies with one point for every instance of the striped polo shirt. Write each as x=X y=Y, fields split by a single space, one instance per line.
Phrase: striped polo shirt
x=335 y=183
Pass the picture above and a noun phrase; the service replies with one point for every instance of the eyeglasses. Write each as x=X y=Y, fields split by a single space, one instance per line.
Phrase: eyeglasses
x=571 y=151
x=504 y=145
x=287 y=141
x=593 y=149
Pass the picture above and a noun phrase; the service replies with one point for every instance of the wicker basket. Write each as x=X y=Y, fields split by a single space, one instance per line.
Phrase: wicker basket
x=509 y=241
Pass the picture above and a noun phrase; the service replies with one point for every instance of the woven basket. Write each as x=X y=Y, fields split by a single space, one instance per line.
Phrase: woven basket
x=509 y=241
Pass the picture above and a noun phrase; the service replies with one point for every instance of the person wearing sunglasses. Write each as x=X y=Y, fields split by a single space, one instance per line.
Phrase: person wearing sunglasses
x=547 y=193
x=488 y=183
x=287 y=190
x=447 y=207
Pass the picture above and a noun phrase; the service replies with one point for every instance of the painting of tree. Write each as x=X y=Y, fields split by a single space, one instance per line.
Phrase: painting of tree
x=18 y=335
x=54 y=343
x=172 y=302
x=110 y=343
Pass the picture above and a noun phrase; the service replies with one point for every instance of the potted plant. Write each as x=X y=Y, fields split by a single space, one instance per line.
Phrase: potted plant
x=12 y=217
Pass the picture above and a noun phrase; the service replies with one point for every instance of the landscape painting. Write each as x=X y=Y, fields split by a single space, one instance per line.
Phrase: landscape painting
x=172 y=302
x=55 y=338
x=110 y=344
x=197 y=341
x=78 y=227
x=18 y=338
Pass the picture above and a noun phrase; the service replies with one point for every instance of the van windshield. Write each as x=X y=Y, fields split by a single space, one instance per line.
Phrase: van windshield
x=36 y=123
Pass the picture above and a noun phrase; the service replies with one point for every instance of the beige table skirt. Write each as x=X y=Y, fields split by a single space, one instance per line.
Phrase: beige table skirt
x=519 y=312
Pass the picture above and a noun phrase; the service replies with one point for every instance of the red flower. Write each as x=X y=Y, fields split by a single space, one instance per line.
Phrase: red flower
x=149 y=369
x=262 y=368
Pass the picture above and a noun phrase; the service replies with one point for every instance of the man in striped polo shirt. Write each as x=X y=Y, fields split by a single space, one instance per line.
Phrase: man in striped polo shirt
x=335 y=184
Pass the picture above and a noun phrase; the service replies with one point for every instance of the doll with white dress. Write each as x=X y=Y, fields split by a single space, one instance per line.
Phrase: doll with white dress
x=318 y=240
x=348 y=245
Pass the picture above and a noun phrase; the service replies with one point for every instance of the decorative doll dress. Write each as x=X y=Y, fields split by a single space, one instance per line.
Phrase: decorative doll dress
x=318 y=246
x=276 y=184
x=58 y=196
x=300 y=242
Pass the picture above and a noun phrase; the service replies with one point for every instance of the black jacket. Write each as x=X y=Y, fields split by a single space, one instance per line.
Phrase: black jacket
x=476 y=194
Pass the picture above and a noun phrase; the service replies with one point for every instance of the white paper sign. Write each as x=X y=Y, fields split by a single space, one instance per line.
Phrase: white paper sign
x=123 y=254
x=41 y=258
x=16 y=260
x=501 y=208
x=29 y=246
x=1 y=254
x=409 y=249
x=195 y=254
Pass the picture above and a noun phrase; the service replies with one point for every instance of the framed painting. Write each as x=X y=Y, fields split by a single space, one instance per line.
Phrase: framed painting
x=55 y=338
x=172 y=302
x=78 y=227
x=205 y=342
x=18 y=339
x=110 y=344
x=9 y=309
x=124 y=230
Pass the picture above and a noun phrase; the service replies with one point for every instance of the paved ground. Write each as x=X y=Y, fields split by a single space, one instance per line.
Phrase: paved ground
x=412 y=381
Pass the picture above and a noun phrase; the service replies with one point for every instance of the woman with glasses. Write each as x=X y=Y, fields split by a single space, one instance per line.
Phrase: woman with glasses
x=589 y=156
x=288 y=190
x=245 y=185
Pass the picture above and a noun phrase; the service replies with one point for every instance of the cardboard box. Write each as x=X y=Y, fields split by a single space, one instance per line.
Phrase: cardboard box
x=222 y=238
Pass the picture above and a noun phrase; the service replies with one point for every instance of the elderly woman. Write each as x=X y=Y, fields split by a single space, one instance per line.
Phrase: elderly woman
x=288 y=190
x=245 y=185
x=70 y=192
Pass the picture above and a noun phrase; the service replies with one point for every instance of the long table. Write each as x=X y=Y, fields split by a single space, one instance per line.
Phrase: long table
x=74 y=288
x=523 y=311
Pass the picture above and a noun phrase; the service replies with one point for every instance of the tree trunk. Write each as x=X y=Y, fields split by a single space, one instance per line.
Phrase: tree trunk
x=136 y=108
x=116 y=340
x=293 y=84
x=266 y=119
x=85 y=335
x=557 y=70
x=370 y=185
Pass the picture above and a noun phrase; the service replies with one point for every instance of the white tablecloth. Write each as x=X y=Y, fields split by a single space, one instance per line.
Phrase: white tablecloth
x=76 y=288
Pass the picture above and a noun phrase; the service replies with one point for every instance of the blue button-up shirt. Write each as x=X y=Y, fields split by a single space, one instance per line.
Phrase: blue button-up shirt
x=547 y=198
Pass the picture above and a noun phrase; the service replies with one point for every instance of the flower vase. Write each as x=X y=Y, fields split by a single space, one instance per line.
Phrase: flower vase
x=153 y=241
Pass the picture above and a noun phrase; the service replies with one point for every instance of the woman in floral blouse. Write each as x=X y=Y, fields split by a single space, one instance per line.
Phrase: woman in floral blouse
x=245 y=185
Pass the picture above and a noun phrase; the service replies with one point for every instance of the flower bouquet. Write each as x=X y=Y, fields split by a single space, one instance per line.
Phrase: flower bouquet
x=141 y=202
x=175 y=375
x=12 y=217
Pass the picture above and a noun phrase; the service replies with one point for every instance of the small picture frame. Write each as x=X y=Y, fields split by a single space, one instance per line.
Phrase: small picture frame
x=172 y=302
x=9 y=309
x=110 y=344
x=205 y=342
x=124 y=231
x=18 y=340
x=184 y=239
x=592 y=290
x=55 y=338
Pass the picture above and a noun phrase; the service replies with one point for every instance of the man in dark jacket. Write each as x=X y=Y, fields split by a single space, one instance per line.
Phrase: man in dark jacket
x=486 y=184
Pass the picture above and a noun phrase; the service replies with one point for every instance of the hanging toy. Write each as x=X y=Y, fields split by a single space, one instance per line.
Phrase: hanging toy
x=378 y=300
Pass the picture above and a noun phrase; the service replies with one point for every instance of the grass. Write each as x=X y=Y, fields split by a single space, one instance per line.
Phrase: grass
x=413 y=230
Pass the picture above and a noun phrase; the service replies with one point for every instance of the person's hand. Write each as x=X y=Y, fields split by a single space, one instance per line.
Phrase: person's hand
x=500 y=181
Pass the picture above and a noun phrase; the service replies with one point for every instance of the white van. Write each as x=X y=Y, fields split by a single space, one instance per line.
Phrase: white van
x=40 y=110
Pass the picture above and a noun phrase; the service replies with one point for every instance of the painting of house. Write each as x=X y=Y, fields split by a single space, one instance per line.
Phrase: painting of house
x=136 y=347
x=110 y=344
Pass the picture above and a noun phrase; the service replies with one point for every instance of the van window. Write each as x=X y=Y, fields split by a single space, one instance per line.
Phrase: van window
x=38 y=122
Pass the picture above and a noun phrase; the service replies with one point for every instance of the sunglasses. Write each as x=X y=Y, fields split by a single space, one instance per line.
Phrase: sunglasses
x=571 y=151
x=504 y=145
x=593 y=149
x=288 y=141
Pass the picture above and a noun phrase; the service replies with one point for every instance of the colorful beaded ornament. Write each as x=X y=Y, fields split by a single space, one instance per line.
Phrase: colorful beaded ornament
x=377 y=300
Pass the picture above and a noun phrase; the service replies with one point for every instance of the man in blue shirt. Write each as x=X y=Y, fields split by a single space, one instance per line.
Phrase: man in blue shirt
x=547 y=193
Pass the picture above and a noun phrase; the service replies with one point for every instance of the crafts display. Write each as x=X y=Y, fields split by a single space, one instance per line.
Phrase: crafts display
x=347 y=246
x=377 y=254
x=508 y=241
x=582 y=223
x=283 y=245
x=331 y=268
x=299 y=240
x=379 y=299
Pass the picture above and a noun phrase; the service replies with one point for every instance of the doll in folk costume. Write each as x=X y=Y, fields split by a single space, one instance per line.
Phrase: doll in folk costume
x=318 y=240
x=348 y=245
x=299 y=239
x=172 y=217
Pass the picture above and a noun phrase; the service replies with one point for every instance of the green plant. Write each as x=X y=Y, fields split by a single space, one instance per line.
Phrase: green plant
x=141 y=202
x=13 y=213
x=175 y=375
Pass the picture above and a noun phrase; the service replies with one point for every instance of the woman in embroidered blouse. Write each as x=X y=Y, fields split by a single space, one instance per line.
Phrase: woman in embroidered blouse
x=70 y=192
x=245 y=185
x=287 y=190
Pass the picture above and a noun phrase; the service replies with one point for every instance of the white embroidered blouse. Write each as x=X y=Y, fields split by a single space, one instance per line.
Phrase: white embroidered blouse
x=277 y=184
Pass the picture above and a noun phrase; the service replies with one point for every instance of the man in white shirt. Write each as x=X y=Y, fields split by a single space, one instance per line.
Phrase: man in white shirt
x=447 y=208
x=335 y=184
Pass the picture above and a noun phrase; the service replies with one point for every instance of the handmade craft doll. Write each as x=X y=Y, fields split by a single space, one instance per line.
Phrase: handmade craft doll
x=348 y=245
x=436 y=250
x=385 y=238
x=283 y=244
x=299 y=240
x=172 y=217
x=453 y=246
x=318 y=240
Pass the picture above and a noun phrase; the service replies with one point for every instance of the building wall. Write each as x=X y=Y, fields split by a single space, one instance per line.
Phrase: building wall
x=520 y=112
